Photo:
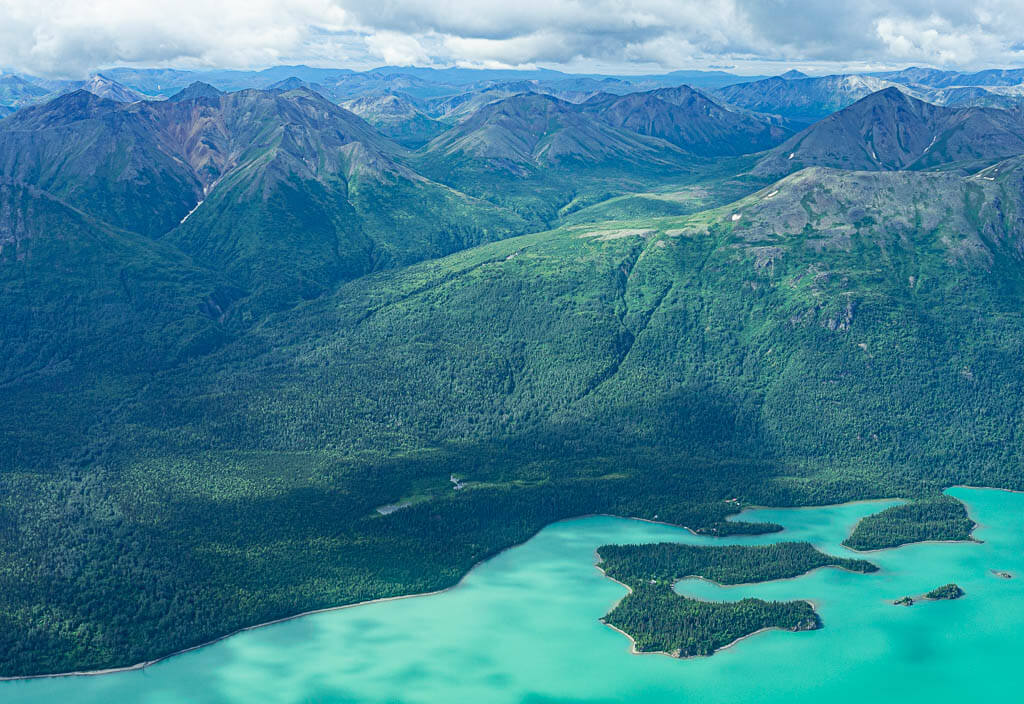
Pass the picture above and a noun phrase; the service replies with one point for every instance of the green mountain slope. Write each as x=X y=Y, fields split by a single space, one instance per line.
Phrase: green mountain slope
x=87 y=311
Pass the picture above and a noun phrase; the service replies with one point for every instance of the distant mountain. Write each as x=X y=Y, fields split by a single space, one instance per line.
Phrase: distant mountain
x=294 y=83
x=801 y=99
x=937 y=78
x=537 y=131
x=16 y=92
x=456 y=108
x=196 y=91
x=1006 y=97
x=396 y=116
x=111 y=90
x=688 y=119
x=890 y=130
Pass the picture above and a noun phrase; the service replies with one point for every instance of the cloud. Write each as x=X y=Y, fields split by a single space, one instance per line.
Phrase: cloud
x=71 y=37
x=397 y=49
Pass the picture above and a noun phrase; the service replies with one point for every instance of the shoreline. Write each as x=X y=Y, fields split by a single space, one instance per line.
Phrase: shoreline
x=155 y=661
x=183 y=651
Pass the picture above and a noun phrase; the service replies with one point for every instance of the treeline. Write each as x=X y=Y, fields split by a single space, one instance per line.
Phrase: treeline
x=938 y=518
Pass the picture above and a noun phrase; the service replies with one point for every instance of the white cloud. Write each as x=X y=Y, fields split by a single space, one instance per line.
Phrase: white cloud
x=935 y=40
x=397 y=49
x=72 y=37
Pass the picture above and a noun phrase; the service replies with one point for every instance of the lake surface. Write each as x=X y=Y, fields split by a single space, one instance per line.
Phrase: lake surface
x=523 y=627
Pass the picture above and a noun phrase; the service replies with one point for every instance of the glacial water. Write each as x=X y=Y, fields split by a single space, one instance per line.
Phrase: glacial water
x=523 y=627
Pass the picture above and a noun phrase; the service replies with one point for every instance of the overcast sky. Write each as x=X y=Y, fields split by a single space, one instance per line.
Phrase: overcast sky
x=73 y=37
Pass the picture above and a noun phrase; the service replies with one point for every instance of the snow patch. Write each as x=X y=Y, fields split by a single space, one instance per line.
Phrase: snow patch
x=191 y=211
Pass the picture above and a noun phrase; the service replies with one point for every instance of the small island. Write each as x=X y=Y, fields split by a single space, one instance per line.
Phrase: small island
x=937 y=518
x=946 y=591
x=657 y=619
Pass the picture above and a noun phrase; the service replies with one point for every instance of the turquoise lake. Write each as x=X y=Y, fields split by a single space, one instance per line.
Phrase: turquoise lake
x=523 y=627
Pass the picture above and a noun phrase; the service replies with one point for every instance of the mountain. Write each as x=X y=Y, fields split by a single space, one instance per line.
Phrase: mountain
x=293 y=83
x=397 y=117
x=72 y=283
x=16 y=92
x=537 y=131
x=111 y=90
x=1008 y=98
x=689 y=120
x=278 y=188
x=937 y=78
x=247 y=341
x=801 y=99
x=196 y=91
x=889 y=130
x=456 y=108
x=101 y=157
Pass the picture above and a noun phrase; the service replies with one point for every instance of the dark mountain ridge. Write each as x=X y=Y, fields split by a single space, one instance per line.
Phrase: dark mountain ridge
x=890 y=130
x=688 y=119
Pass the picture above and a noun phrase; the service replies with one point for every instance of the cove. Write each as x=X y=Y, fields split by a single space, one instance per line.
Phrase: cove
x=523 y=627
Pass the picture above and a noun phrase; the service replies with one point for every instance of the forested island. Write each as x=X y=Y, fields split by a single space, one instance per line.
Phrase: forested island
x=938 y=518
x=945 y=592
x=659 y=620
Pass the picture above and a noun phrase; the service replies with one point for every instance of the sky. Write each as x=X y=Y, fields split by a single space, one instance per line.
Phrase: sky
x=71 y=38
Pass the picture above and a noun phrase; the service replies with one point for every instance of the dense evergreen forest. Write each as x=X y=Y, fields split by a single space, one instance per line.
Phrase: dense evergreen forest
x=658 y=619
x=935 y=518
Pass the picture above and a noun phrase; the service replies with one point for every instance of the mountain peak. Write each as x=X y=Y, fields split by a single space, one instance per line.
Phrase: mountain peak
x=104 y=87
x=890 y=130
x=793 y=74
x=195 y=91
x=290 y=83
